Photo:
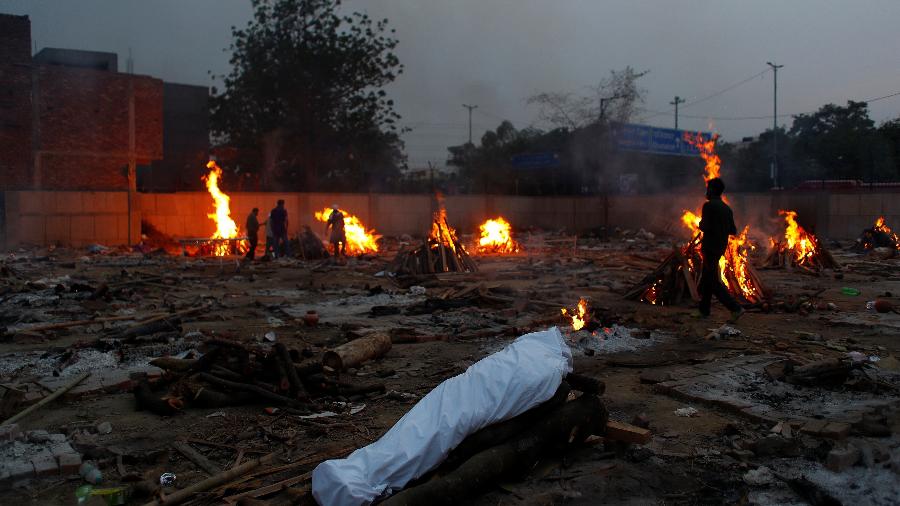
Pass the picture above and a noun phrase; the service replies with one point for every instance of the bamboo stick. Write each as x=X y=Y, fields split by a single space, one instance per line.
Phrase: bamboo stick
x=46 y=400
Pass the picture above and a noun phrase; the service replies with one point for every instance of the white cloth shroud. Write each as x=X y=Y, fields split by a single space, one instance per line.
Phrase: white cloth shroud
x=498 y=387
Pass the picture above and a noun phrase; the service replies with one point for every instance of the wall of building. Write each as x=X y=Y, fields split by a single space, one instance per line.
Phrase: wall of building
x=67 y=128
x=78 y=218
x=15 y=102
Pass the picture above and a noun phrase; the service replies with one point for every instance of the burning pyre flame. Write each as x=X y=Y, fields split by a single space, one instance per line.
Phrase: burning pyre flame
x=226 y=228
x=441 y=231
x=359 y=240
x=735 y=264
x=496 y=237
x=579 y=317
x=881 y=227
x=802 y=245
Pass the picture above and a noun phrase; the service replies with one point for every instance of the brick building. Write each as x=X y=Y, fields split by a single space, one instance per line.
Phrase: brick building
x=68 y=119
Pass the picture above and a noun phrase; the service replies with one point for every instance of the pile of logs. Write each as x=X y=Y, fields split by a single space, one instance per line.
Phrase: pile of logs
x=229 y=373
x=781 y=257
x=433 y=256
x=676 y=277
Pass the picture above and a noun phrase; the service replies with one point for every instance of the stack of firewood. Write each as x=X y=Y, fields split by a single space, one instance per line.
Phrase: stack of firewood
x=781 y=257
x=676 y=277
x=434 y=256
x=230 y=373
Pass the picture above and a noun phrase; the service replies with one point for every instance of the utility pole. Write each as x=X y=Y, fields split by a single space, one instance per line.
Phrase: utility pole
x=470 y=107
x=678 y=100
x=774 y=172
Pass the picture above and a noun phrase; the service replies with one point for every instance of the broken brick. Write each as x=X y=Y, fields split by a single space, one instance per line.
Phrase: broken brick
x=69 y=463
x=840 y=459
x=45 y=464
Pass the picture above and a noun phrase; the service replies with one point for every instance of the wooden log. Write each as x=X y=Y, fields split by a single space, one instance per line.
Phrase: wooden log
x=211 y=482
x=196 y=457
x=688 y=277
x=209 y=398
x=174 y=364
x=47 y=400
x=581 y=417
x=77 y=323
x=356 y=352
x=246 y=387
x=501 y=432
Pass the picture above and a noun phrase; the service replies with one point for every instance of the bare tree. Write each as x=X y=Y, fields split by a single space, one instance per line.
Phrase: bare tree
x=615 y=98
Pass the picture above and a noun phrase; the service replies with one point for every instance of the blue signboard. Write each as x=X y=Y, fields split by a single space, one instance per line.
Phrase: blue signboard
x=662 y=141
x=535 y=160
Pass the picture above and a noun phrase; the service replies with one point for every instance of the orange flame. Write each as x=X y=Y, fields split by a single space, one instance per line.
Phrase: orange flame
x=226 y=228
x=802 y=244
x=441 y=231
x=881 y=227
x=359 y=240
x=579 y=317
x=496 y=237
x=707 y=150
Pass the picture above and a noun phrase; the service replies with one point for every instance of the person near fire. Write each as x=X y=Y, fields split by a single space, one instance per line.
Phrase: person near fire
x=338 y=236
x=279 y=219
x=716 y=223
x=253 y=225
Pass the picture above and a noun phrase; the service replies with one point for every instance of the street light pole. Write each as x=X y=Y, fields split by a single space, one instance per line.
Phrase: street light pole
x=678 y=100
x=470 y=107
x=774 y=123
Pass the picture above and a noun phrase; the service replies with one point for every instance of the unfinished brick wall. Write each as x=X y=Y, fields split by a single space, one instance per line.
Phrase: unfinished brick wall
x=15 y=102
x=83 y=128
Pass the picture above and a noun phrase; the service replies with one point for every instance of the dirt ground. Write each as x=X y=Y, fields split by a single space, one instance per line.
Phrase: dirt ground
x=721 y=455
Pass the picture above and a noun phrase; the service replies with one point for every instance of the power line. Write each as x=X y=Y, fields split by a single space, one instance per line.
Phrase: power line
x=725 y=90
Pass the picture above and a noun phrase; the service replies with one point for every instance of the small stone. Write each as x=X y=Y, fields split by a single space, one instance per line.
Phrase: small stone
x=840 y=459
x=10 y=432
x=58 y=438
x=38 y=436
x=759 y=476
x=104 y=428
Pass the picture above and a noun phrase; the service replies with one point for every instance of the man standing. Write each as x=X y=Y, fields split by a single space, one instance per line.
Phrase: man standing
x=716 y=223
x=279 y=219
x=252 y=232
x=338 y=235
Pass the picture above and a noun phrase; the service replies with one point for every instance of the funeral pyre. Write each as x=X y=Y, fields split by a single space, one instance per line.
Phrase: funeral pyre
x=679 y=273
x=799 y=249
x=441 y=251
x=878 y=236
x=360 y=240
x=496 y=238
x=226 y=240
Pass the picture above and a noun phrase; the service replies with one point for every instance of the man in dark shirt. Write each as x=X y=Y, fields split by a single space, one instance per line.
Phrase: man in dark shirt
x=252 y=232
x=716 y=223
x=279 y=219
x=338 y=234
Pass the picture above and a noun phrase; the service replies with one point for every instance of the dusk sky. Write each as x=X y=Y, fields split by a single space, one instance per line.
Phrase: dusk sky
x=495 y=53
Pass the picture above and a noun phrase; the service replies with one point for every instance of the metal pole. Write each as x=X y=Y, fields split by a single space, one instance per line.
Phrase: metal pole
x=775 y=123
x=470 y=107
x=678 y=100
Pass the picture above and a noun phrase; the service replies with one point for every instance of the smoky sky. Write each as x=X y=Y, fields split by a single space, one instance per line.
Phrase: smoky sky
x=495 y=53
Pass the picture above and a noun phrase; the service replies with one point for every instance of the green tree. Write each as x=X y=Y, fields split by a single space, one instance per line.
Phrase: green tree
x=839 y=142
x=305 y=95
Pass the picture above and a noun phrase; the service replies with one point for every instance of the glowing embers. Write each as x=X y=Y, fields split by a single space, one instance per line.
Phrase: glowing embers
x=496 y=238
x=878 y=236
x=359 y=240
x=579 y=316
x=799 y=248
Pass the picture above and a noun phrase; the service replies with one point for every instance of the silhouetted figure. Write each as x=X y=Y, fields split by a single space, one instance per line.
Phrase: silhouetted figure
x=716 y=223
x=279 y=219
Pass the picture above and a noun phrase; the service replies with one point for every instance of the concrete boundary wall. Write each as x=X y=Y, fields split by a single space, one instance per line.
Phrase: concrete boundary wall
x=74 y=218
x=80 y=218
